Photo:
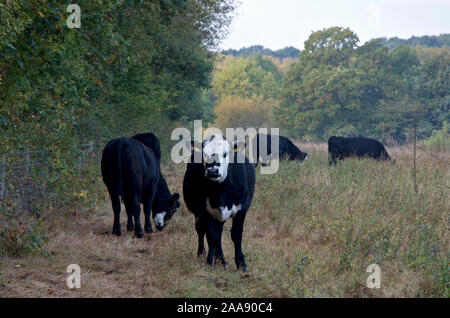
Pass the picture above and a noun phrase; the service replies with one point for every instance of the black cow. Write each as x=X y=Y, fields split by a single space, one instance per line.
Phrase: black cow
x=343 y=147
x=216 y=189
x=150 y=140
x=287 y=149
x=131 y=170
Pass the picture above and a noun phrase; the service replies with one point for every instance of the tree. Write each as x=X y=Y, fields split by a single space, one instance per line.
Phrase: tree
x=434 y=88
x=236 y=111
x=253 y=77
x=133 y=66
x=337 y=87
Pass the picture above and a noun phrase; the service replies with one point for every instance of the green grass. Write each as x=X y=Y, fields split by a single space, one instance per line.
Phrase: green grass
x=312 y=231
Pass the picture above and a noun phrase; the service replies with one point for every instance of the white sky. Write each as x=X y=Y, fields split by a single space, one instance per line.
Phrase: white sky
x=279 y=23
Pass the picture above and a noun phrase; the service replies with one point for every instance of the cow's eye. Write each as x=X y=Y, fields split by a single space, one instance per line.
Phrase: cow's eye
x=225 y=155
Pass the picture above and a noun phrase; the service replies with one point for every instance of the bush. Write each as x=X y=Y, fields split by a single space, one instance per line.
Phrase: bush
x=439 y=140
x=234 y=112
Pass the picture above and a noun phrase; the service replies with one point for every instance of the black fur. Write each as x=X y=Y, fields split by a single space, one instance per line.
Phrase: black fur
x=344 y=147
x=237 y=188
x=131 y=171
x=287 y=149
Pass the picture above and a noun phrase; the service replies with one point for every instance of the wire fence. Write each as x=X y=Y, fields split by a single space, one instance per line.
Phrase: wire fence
x=31 y=176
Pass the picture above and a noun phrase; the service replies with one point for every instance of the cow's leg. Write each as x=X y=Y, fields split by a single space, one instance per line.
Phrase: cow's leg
x=212 y=236
x=147 y=212
x=219 y=251
x=333 y=158
x=200 y=227
x=134 y=208
x=130 y=224
x=236 y=236
x=115 y=201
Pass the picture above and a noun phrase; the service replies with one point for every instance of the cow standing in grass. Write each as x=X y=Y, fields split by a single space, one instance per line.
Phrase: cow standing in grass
x=216 y=189
x=343 y=147
x=131 y=170
x=287 y=149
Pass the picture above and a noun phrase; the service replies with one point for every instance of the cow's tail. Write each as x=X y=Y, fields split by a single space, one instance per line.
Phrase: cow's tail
x=118 y=169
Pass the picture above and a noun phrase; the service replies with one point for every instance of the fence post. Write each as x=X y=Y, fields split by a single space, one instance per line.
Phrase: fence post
x=415 y=144
x=2 y=178
x=23 y=202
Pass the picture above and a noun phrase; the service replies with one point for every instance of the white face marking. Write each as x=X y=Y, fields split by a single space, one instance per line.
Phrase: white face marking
x=304 y=160
x=159 y=218
x=217 y=150
x=222 y=213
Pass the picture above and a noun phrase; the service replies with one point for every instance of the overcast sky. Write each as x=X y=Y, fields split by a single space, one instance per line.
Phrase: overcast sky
x=279 y=23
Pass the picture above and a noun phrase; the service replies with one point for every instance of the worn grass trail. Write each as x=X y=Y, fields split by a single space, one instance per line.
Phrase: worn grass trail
x=311 y=231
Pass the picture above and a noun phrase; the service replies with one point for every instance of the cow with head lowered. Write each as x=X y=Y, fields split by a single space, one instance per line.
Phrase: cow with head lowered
x=131 y=171
x=217 y=188
x=286 y=149
x=340 y=148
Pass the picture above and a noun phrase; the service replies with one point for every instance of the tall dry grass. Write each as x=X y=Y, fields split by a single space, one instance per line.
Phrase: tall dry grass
x=312 y=230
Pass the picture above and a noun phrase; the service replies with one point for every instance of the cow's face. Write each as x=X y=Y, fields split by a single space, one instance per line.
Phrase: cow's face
x=216 y=152
x=303 y=157
x=163 y=218
x=216 y=157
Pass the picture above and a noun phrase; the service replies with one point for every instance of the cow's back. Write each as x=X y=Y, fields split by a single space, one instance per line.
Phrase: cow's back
x=128 y=164
x=359 y=146
x=151 y=141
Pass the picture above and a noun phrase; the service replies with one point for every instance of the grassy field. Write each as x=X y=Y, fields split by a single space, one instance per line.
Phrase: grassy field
x=311 y=231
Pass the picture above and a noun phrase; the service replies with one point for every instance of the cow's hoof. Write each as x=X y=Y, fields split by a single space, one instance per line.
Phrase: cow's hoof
x=210 y=267
x=117 y=232
x=223 y=262
x=148 y=230
x=243 y=268
x=130 y=227
x=140 y=235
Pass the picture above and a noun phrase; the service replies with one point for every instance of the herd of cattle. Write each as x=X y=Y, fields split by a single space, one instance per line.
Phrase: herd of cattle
x=214 y=189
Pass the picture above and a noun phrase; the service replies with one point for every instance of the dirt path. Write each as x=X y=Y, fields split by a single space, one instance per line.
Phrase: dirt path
x=111 y=266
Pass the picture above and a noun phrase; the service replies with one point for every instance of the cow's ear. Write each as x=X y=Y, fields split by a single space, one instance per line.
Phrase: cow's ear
x=238 y=145
x=175 y=197
x=174 y=200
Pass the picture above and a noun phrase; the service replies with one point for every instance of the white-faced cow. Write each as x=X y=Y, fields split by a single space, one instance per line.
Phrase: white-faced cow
x=344 y=147
x=216 y=189
x=131 y=170
x=287 y=149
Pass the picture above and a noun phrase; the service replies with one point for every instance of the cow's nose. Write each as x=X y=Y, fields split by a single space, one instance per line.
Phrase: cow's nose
x=213 y=171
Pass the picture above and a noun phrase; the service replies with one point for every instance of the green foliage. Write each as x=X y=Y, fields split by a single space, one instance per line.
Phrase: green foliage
x=254 y=77
x=289 y=51
x=339 y=88
x=235 y=111
x=440 y=139
x=133 y=66
x=426 y=40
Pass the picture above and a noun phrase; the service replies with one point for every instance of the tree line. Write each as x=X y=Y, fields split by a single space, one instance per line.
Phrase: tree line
x=338 y=87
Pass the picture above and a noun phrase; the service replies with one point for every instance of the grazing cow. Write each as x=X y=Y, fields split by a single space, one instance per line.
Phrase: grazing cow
x=215 y=190
x=287 y=149
x=150 y=140
x=343 y=147
x=130 y=170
